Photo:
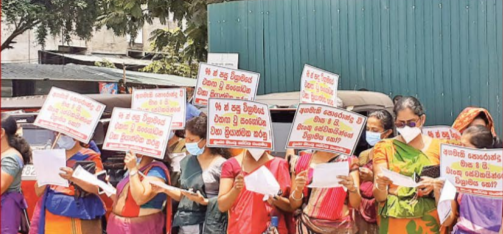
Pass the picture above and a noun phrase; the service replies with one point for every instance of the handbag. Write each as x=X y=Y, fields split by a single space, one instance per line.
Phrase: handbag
x=24 y=226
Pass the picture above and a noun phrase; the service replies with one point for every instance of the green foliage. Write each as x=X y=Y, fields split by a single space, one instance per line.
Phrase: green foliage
x=52 y=17
x=104 y=63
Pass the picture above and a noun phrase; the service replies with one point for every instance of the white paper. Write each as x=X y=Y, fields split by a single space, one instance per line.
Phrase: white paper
x=399 y=179
x=168 y=187
x=325 y=175
x=176 y=158
x=48 y=164
x=262 y=181
x=84 y=175
x=447 y=195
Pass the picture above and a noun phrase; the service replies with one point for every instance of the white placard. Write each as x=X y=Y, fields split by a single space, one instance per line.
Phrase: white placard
x=171 y=102
x=325 y=128
x=442 y=132
x=473 y=171
x=48 y=164
x=71 y=114
x=318 y=86
x=239 y=124
x=140 y=132
x=221 y=82
x=224 y=60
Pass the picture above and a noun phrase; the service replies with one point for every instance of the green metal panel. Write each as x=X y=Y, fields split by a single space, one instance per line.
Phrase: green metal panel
x=448 y=53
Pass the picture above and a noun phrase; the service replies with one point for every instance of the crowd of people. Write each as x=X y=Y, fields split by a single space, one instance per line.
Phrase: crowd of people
x=214 y=197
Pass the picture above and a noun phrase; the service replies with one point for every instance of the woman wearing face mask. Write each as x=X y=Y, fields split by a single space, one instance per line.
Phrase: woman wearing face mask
x=248 y=212
x=74 y=209
x=138 y=206
x=402 y=209
x=473 y=116
x=474 y=214
x=200 y=172
x=379 y=127
x=15 y=153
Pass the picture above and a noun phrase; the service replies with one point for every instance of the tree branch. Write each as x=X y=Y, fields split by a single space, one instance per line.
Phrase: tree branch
x=18 y=31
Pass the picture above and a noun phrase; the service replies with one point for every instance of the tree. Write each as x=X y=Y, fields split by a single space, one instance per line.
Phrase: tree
x=50 y=17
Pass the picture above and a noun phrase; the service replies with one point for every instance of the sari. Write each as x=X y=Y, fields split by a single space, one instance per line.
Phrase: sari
x=403 y=213
x=13 y=201
x=366 y=219
x=129 y=220
x=208 y=218
x=60 y=211
x=325 y=210
x=250 y=214
x=466 y=117
x=478 y=215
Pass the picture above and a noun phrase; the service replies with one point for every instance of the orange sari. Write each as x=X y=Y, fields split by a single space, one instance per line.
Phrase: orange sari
x=466 y=117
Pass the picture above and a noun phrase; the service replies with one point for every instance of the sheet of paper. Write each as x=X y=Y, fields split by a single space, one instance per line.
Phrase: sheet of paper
x=399 y=179
x=168 y=187
x=325 y=175
x=47 y=164
x=262 y=181
x=82 y=174
x=447 y=195
x=176 y=158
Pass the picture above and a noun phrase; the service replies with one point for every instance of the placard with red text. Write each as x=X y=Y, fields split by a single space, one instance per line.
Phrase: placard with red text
x=139 y=132
x=318 y=86
x=473 y=171
x=225 y=83
x=70 y=113
x=170 y=102
x=442 y=132
x=239 y=124
x=326 y=128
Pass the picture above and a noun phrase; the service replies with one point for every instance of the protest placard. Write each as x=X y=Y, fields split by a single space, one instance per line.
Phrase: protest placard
x=442 y=132
x=239 y=124
x=221 y=82
x=139 y=132
x=171 y=102
x=473 y=171
x=318 y=86
x=71 y=114
x=325 y=128
x=229 y=60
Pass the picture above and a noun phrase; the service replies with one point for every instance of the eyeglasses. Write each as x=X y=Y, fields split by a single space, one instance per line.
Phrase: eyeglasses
x=410 y=123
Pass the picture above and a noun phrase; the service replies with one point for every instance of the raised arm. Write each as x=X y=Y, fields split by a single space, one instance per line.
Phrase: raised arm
x=229 y=192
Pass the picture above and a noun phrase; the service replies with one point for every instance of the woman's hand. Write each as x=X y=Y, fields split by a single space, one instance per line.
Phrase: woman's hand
x=366 y=174
x=426 y=185
x=300 y=181
x=382 y=182
x=198 y=197
x=347 y=181
x=130 y=161
x=238 y=182
x=67 y=173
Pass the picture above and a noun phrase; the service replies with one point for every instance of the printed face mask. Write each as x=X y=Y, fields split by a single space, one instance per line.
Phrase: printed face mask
x=66 y=142
x=372 y=137
x=409 y=133
x=256 y=153
x=194 y=149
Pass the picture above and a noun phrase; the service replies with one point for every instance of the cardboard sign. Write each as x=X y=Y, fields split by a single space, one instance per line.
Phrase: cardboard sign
x=239 y=124
x=318 y=86
x=473 y=171
x=325 y=128
x=220 y=82
x=108 y=88
x=442 y=132
x=224 y=60
x=71 y=114
x=139 y=132
x=171 y=102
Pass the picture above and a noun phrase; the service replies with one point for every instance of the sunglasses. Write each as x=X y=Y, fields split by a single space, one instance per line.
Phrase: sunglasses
x=410 y=123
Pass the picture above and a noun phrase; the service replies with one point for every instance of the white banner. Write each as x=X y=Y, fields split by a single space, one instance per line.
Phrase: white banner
x=171 y=102
x=318 y=86
x=442 y=132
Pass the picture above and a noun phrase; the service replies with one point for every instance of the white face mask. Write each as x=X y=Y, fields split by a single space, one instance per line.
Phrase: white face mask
x=256 y=153
x=408 y=133
x=66 y=142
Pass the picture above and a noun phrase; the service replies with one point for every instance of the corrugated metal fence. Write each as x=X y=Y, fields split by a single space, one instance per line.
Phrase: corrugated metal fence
x=448 y=53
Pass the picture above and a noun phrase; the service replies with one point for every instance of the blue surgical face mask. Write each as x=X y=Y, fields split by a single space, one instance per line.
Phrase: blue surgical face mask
x=194 y=149
x=66 y=142
x=171 y=134
x=372 y=137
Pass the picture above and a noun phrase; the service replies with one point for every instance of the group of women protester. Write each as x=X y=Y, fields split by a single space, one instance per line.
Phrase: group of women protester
x=214 y=198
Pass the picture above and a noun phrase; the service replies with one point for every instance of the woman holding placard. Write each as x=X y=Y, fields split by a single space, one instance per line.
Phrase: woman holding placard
x=474 y=214
x=407 y=209
x=199 y=182
x=249 y=213
x=15 y=153
x=379 y=126
x=138 y=206
x=74 y=209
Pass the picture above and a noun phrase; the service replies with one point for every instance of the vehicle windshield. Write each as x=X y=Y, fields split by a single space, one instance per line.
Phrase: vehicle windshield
x=38 y=137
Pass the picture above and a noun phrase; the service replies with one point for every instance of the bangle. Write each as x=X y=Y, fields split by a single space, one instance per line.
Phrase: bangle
x=354 y=190
x=131 y=174
x=295 y=199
